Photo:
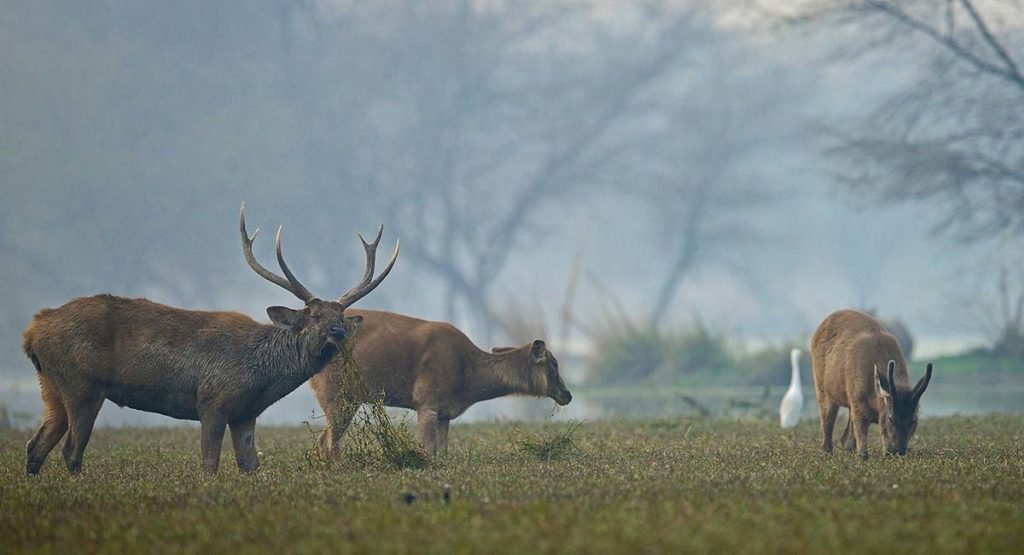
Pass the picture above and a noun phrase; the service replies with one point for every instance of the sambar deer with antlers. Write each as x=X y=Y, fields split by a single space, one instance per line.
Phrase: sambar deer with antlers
x=847 y=350
x=433 y=369
x=220 y=368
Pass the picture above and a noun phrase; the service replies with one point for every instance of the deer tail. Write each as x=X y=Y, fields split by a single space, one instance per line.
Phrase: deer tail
x=27 y=346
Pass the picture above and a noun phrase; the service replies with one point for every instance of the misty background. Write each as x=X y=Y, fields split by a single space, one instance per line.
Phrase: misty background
x=551 y=167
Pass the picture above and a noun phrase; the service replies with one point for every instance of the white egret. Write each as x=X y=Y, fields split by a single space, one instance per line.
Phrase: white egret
x=793 y=400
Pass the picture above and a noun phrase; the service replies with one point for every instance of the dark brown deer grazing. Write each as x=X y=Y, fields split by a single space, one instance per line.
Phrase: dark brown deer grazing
x=220 y=368
x=434 y=369
x=848 y=350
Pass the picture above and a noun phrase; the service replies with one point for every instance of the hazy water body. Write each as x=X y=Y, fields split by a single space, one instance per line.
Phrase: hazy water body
x=744 y=400
x=25 y=407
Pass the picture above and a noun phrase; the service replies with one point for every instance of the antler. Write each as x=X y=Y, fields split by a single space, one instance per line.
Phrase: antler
x=297 y=288
x=923 y=383
x=368 y=284
x=291 y=284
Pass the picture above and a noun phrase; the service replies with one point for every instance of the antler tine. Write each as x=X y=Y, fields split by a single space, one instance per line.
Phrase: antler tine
x=371 y=262
x=296 y=288
x=923 y=383
x=367 y=285
x=376 y=240
x=251 y=259
x=891 y=369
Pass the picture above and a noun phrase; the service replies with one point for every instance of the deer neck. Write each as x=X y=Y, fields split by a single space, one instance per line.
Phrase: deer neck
x=498 y=375
x=284 y=357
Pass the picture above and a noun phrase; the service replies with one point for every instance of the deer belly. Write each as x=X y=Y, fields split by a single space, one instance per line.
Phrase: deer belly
x=171 y=403
x=399 y=399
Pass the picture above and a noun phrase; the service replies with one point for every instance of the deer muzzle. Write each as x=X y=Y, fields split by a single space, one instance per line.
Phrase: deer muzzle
x=337 y=333
x=561 y=394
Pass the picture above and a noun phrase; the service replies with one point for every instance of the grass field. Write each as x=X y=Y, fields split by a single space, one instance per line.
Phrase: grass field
x=631 y=486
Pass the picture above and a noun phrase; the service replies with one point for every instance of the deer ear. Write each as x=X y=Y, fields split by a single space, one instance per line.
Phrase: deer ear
x=356 y=321
x=890 y=381
x=284 y=317
x=923 y=384
x=880 y=389
x=538 y=351
x=500 y=350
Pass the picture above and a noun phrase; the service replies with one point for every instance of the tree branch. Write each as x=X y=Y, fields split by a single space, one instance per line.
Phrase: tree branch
x=1010 y=73
x=1011 y=65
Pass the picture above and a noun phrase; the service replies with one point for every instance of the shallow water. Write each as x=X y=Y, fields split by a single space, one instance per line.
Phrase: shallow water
x=24 y=406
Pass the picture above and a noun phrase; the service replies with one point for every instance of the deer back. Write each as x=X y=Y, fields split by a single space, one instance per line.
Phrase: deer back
x=845 y=350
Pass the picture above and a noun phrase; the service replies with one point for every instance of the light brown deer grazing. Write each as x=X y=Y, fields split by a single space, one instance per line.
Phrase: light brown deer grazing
x=847 y=351
x=434 y=369
x=221 y=368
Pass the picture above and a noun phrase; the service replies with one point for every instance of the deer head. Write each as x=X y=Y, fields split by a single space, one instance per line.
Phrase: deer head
x=543 y=370
x=899 y=407
x=321 y=322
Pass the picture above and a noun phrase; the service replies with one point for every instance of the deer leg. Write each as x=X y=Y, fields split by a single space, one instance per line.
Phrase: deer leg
x=847 y=440
x=427 y=422
x=49 y=433
x=81 y=418
x=828 y=411
x=442 y=435
x=212 y=425
x=55 y=423
x=338 y=421
x=243 y=439
x=860 y=432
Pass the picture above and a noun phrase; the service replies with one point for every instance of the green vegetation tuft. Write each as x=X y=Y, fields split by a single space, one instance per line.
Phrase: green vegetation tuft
x=980 y=366
x=651 y=486
x=625 y=353
x=552 y=443
x=632 y=354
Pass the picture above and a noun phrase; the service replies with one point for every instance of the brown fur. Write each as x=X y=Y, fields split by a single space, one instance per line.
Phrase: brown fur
x=434 y=369
x=221 y=368
x=859 y=365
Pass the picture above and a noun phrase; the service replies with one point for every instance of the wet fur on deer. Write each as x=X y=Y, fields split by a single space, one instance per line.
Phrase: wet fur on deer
x=220 y=368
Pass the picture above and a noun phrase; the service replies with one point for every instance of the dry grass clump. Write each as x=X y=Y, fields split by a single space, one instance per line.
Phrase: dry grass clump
x=373 y=440
x=548 y=445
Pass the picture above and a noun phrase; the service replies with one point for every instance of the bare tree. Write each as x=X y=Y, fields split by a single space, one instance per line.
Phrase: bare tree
x=704 y=206
x=699 y=171
x=995 y=308
x=953 y=136
x=1011 y=315
x=507 y=122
